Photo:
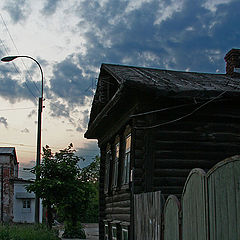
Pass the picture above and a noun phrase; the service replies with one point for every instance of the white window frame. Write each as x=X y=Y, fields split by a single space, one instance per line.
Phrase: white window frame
x=106 y=234
x=126 y=166
x=114 y=228
x=26 y=205
x=107 y=170
x=124 y=230
x=116 y=164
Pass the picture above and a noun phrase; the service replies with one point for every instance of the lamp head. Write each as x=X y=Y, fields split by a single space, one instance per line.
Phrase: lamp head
x=8 y=58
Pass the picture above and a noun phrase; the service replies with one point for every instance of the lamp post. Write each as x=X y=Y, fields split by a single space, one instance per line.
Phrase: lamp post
x=40 y=108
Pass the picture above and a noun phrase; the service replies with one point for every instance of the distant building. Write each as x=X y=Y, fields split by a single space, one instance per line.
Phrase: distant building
x=153 y=126
x=17 y=205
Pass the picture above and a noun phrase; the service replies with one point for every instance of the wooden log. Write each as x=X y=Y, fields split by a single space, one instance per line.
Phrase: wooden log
x=118 y=197
x=119 y=217
x=169 y=181
x=117 y=210
x=118 y=204
x=182 y=163
x=197 y=146
x=171 y=172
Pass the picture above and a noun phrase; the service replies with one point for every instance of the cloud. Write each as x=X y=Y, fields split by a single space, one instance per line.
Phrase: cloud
x=25 y=130
x=12 y=89
x=89 y=151
x=170 y=34
x=3 y=121
x=59 y=109
x=32 y=113
x=18 y=10
x=70 y=81
x=50 y=7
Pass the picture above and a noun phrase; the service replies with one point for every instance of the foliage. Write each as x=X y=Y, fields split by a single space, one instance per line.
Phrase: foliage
x=74 y=232
x=73 y=192
x=26 y=232
x=91 y=172
x=90 y=176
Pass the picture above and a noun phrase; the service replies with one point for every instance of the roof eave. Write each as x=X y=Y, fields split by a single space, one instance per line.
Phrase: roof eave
x=92 y=128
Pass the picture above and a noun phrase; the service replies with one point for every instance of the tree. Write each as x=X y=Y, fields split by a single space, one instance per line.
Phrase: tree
x=90 y=177
x=59 y=185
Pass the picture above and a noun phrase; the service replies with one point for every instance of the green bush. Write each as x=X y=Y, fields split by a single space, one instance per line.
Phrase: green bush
x=71 y=231
x=26 y=232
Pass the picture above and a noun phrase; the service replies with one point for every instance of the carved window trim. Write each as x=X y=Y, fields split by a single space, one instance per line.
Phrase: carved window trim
x=108 y=160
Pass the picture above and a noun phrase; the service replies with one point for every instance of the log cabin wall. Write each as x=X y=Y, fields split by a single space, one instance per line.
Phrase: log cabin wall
x=170 y=151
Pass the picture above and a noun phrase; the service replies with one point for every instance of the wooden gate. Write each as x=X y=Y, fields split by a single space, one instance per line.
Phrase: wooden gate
x=171 y=220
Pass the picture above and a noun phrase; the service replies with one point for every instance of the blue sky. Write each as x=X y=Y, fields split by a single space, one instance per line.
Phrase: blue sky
x=72 y=38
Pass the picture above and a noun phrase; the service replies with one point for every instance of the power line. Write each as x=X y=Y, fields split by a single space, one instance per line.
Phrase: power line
x=184 y=116
x=11 y=109
x=18 y=51
x=26 y=145
x=19 y=54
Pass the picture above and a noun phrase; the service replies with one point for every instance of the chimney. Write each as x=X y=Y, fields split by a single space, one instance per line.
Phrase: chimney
x=232 y=60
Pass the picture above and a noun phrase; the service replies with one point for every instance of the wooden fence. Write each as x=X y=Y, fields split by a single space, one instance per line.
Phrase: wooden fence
x=147 y=209
x=209 y=208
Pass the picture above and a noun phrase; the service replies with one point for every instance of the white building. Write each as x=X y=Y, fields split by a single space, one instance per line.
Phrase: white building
x=24 y=203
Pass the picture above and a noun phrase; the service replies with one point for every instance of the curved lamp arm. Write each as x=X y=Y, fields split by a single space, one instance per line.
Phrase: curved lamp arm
x=11 y=58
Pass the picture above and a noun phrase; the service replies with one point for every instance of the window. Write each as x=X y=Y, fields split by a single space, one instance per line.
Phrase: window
x=124 y=234
x=26 y=205
x=126 y=168
x=115 y=165
x=114 y=233
x=107 y=169
x=106 y=232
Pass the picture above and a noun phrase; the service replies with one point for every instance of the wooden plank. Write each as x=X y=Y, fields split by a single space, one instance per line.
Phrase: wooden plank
x=147 y=215
x=224 y=199
x=171 y=222
x=194 y=207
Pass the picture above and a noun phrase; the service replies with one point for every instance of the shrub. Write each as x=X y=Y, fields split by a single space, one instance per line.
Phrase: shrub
x=26 y=232
x=76 y=231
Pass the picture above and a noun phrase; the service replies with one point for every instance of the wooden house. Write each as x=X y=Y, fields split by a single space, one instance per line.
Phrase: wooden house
x=153 y=126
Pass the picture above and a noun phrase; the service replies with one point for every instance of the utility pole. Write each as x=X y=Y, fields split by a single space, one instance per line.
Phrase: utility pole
x=37 y=200
x=2 y=194
x=40 y=107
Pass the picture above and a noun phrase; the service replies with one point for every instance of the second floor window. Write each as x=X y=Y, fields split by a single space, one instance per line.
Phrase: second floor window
x=115 y=165
x=107 y=169
x=126 y=167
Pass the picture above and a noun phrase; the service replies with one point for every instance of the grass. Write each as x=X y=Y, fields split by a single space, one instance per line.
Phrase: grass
x=26 y=232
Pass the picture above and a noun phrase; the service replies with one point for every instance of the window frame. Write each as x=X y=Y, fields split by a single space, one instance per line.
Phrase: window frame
x=126 y=160
x=112 y=230
x=26 y=205
x=108 y=161
x=116 y=162
x=106 y=234
x=126 y=231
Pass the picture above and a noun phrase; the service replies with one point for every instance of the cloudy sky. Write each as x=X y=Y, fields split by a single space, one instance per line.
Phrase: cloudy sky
x=72 y=38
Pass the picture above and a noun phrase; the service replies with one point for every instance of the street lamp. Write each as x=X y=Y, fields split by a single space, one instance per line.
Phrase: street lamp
x=40 y=108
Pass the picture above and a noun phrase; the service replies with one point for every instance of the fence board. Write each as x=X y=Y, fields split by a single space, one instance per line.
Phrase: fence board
x=194 y=207
x=147 y=216
x=171 y=218
x=224 y=199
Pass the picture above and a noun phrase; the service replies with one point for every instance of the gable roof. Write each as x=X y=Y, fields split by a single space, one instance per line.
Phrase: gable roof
x=165 y=83
x=9 y=151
